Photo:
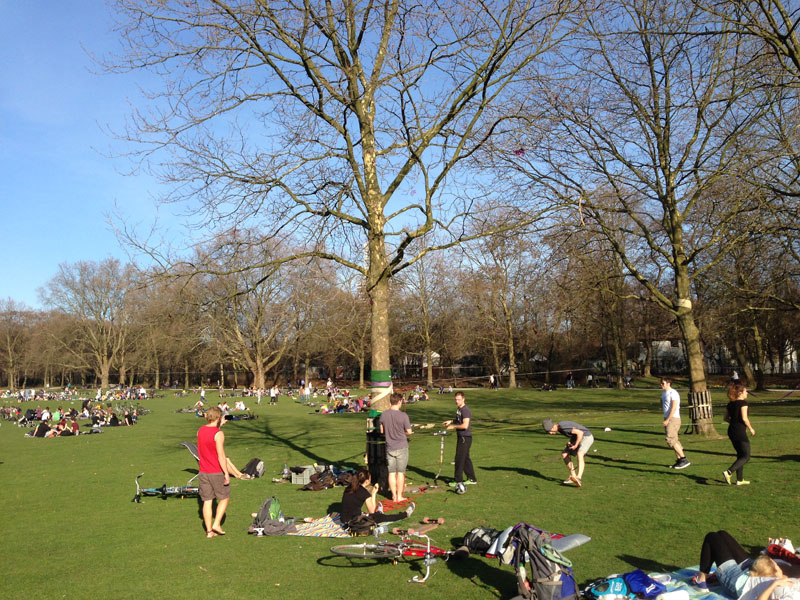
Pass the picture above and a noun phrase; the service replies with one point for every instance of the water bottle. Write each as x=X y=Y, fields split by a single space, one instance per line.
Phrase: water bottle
x=281 y=519
x=381 y=529
x=285 y=471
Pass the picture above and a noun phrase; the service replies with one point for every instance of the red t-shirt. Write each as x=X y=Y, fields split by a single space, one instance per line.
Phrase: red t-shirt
x=207 y=449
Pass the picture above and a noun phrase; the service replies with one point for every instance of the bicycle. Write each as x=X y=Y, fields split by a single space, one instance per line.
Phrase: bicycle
x=165 y=491
x=405 y=548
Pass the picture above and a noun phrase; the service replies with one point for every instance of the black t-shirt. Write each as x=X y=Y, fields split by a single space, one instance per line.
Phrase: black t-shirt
x=463 y=413
x=352 y=503
x=737 y=430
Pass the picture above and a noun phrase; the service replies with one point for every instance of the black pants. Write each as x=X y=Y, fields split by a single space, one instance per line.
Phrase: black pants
x=463 y=461
x=719 y=546
x=742 y=456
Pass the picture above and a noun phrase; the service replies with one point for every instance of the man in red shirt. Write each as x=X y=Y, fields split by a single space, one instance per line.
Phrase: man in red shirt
x=214 y=479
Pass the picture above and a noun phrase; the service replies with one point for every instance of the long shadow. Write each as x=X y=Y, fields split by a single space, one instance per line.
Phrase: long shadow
x=523 y=471
x=483 y=576
x=647 y=565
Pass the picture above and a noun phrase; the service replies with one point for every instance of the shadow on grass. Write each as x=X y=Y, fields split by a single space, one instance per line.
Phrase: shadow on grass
x=522 y=471
x=648 y=565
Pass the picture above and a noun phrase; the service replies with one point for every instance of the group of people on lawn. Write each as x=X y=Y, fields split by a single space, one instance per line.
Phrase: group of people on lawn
x=736 y=415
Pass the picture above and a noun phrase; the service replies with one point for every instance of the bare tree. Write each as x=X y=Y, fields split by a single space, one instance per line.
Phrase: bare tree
x=94 y=296
x=647 y=127
x=343 y=124
x=15 y=330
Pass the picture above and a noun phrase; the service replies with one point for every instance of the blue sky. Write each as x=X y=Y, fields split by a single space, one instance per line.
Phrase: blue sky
x=57 y=187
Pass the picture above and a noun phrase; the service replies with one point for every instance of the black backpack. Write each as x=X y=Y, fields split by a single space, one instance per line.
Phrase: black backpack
x=254 y=468
x=479 y=539
x=361 y=525
x=542 y=572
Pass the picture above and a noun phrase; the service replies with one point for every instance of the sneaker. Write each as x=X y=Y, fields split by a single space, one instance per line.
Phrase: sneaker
x=379 y=508
x=410 y=509
x=453 y=484
x=743 y=482
x=727 y=477
x=682 y=463
x=567 y=482
x=575 y=480
x=698 y=584
x=470 y=482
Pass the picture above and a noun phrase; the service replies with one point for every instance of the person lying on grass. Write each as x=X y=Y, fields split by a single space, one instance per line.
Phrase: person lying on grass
x=739 y=575
x=357 y=495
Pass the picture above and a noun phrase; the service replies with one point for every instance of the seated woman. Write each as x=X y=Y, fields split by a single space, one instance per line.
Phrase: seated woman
x=357 y=495
x=739 y=575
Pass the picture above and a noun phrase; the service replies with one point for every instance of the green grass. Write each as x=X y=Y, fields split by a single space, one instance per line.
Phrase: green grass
x=71 y=530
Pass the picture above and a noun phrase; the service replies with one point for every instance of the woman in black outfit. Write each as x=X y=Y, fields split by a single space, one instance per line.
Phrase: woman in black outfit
x=736 y=414
x=356 y=494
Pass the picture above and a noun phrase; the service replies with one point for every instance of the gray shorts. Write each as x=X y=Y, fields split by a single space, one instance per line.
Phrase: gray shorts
x=583 y=447
x=212 y=485
x=397 y=460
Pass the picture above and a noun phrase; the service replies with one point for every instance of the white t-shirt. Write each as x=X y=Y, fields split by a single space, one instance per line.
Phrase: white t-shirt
x=756 y=585
x=668 y=397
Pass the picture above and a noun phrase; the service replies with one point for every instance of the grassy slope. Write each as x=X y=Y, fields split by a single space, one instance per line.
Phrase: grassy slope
x=68 y=510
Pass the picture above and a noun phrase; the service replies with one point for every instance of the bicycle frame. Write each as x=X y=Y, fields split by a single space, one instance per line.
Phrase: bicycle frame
x=164 y=491
x=394 y=550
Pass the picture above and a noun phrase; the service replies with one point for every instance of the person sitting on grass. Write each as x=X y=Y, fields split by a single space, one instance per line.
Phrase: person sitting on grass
x=739 y=575
x=357 y=495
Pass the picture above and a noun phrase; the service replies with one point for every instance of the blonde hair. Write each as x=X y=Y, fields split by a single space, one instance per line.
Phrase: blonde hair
x=213 y=414
x=764 y=566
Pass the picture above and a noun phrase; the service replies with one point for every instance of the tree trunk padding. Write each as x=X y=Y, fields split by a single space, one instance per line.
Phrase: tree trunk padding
x=701 y=413
x=376 y=456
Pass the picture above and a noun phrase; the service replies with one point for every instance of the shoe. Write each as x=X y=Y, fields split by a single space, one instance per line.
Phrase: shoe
x=410 y=509
x=682 y=463
x=743 y=482
x=453 y=484
x=575 y=480
x=470 y=482
x=727 y=477
x=698 y=584
x=379 y=508
x=567 y=481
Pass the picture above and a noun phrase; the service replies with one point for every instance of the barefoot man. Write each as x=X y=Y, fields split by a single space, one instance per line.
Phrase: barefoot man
x=214 y=479
x=396 y=427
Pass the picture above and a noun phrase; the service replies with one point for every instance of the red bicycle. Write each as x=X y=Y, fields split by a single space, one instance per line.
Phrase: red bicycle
x=405 y=548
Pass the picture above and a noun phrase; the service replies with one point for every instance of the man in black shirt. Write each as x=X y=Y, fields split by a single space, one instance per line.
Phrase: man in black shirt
x=462 y=424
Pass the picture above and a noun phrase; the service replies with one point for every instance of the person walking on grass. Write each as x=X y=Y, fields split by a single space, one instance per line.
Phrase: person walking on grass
x=580 y=440
x=736 y=414
x=462 y=425
x=214 y=478
x=671 y=406
x=396 y=427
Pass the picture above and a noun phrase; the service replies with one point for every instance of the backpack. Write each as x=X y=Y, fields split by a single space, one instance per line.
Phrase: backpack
x=361 y=525
x=479 y=539
x=254 y=468
x=610 y=588
x=542 y=572
x=320 y=481
x=270 y=510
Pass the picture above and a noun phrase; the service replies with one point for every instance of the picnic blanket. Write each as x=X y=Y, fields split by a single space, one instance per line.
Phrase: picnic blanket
x=328 y=526
x=679 y=580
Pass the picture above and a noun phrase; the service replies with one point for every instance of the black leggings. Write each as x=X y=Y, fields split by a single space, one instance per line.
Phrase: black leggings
x=742 y=456
x=382 y=518
x=719 y=546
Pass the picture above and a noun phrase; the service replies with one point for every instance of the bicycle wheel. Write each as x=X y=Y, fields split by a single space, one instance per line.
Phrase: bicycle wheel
x=366 y=551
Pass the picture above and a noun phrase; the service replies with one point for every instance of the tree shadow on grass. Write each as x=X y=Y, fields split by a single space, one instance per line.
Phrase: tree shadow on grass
x=523 y=471
x=648 y=565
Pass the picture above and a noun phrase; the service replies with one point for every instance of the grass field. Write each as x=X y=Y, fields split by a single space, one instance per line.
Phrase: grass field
x=71 y=531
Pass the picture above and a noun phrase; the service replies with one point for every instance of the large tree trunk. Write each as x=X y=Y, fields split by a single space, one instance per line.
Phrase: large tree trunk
x=378 y=282
x=700 y=410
